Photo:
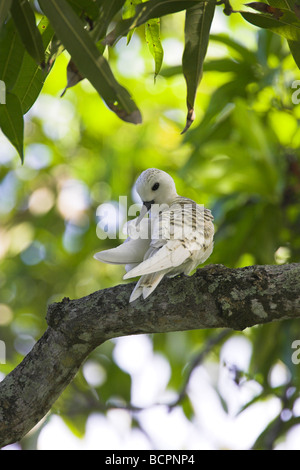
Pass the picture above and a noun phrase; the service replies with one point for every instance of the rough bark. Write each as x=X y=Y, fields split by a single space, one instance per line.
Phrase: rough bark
x=214 y=297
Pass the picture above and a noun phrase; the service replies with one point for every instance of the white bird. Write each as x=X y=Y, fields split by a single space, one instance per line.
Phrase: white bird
x=175 y=239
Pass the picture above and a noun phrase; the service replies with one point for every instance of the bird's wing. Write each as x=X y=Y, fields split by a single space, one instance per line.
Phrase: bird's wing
x=170 y=255
x=178 y=234
x=130 y=252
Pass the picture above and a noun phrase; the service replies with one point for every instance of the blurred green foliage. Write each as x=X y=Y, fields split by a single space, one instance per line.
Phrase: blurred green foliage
x=241 y=159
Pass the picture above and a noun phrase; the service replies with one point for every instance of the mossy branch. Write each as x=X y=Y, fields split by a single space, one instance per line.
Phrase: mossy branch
x=214 y=297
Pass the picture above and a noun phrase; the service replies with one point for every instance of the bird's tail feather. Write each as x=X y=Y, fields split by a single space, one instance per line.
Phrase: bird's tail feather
x=146 y=285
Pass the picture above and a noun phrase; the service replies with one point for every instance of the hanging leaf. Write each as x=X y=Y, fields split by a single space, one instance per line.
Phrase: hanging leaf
x=294 y=7
x=197 y=27
x=88 y=59
x=24 y=19
x=11 y=122
x=144 y=12
x=31 y=78
x=152 y=32
x=287 y=25
x=129 y=12
x=12 y=52
x=73 y=76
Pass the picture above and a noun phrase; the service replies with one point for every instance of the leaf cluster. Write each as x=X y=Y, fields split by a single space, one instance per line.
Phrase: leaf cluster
x=83 y=29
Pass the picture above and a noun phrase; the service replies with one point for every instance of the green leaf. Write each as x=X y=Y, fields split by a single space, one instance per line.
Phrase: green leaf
x=129 y=12
x=144 y=12
x=197 y=28
x=245 y=53
x=88 y=59
x=273 y=431
x=109 y=9
x=292 y=6
x=287 y=4
x=24 y=19
x=295 y=51
x=31 y=78
x=12 y=52
x=11 y=122
x=287 y=25
x=4 y=9
x=152 y=32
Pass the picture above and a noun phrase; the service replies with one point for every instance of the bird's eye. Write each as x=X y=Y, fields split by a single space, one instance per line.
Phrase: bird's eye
x=155 y=186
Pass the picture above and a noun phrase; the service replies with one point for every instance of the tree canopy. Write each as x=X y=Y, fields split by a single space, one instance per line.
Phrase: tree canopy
x=239 y=155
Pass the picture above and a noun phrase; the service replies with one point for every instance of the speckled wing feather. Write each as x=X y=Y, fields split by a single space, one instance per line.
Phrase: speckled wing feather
x=181 y=238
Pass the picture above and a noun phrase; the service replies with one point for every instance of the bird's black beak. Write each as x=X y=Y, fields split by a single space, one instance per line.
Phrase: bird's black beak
x=148 y=204
x=145 y=208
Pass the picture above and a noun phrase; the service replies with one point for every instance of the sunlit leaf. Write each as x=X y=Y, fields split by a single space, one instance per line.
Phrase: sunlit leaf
x=11 y=122
x=144 y=12
x=88 y=59
x=24 y=19
x=129 y=12
x=197 y=28
x=152 y=31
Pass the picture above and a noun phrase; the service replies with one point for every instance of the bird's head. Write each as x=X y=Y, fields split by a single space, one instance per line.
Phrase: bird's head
x=155 y=187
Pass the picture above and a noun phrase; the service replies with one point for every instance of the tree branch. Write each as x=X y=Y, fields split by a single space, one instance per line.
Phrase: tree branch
x=214 y=297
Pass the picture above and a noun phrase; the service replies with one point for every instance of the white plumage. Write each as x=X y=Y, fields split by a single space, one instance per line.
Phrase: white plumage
x=176 y=237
